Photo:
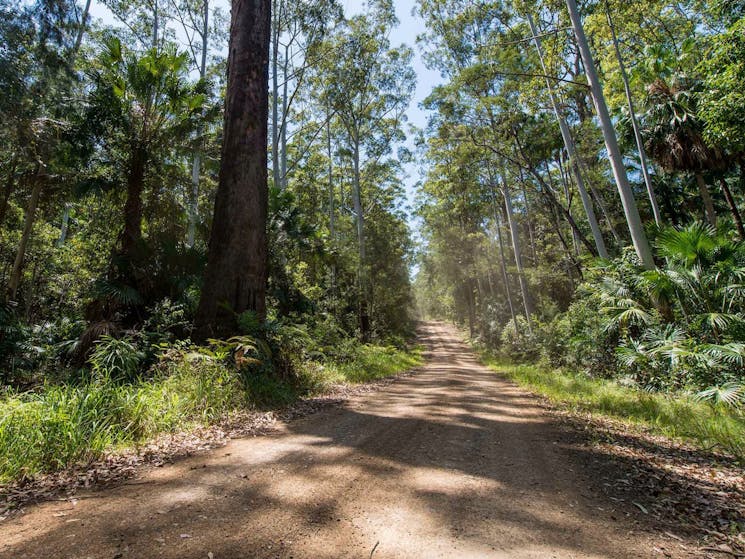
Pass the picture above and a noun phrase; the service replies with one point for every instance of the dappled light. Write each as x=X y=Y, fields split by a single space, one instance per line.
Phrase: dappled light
x=372 y=278
x=498 y=478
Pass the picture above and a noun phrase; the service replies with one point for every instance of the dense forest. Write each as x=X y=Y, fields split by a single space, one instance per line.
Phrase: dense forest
x=202 y=211
x=160 y=224
x=582 y=201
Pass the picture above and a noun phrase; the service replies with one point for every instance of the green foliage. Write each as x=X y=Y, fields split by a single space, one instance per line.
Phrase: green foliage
x=116 y=359
x=677 y=327
x=372 y=363
x=678 y=416
x=65 y=424
x=62 y=425
x=722 y=99
x=731 y=394
x=166 y=322
x=517 y=341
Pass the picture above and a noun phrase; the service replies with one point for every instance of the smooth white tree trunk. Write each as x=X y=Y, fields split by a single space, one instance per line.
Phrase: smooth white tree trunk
x=634 y=123
x=503 y=262
x=517 y=253
x=571 y=151
x=633 y=220
x=196 y=167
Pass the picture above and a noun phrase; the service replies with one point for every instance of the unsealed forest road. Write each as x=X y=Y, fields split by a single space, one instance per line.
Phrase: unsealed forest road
x=452 y=461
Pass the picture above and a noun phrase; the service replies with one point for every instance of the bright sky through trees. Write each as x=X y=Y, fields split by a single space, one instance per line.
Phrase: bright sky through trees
x=406 y=32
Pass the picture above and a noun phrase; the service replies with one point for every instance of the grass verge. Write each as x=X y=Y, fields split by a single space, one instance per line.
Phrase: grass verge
x=677 y=416
x=62 y=425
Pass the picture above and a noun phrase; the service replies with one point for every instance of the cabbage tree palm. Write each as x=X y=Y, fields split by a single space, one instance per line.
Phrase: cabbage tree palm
x=150 y=107
x=674 y=136
x=695 y=327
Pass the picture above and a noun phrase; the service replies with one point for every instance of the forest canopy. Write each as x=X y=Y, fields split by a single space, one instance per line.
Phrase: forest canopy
x=583 y=195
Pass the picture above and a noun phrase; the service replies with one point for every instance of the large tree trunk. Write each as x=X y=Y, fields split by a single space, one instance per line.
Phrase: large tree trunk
x=732 y=208
x=633 y=220
x=28 y=225
x=236 y=274
x=711 y=214
x=275 y=93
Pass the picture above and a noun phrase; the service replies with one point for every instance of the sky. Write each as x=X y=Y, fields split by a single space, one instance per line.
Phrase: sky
x=406 y=32
x=409 y=27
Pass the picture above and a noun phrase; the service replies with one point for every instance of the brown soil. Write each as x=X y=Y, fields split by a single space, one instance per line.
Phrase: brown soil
x=453 y=461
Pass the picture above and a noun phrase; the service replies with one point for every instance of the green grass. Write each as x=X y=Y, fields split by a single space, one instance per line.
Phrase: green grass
x=62 y=425
x=372 y=363
x=677 y=416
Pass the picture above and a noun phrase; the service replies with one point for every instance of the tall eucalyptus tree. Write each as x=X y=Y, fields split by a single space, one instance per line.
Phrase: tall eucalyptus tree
x=368 y=86
x=633 y=219
x=236 y=274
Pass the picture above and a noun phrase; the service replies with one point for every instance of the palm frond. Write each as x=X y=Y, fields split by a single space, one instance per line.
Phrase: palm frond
x=730 y=354
x=731 y=394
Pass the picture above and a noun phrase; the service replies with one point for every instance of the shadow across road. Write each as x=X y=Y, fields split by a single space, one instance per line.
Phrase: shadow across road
x=453 y=461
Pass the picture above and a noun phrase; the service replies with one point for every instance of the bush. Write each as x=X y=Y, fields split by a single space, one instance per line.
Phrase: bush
x=124 y=402
x=517 y=343
x=553 y=340
x=116 y=359
x=678 y=327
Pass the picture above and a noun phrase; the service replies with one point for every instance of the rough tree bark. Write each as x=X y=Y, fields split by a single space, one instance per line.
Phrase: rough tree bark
x=133 y=204
x=236 y=274
x=28 y=225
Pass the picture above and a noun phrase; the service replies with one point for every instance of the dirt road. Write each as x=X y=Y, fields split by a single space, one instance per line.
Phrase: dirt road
x=452 y=461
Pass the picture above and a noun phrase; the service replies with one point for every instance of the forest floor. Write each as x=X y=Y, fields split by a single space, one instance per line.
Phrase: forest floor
x=453 y=461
